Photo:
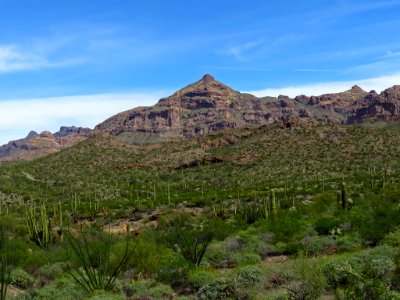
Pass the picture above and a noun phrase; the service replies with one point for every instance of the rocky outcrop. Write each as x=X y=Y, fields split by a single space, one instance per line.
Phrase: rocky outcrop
x=35 y=145
x=383 y=107
x=65 y=131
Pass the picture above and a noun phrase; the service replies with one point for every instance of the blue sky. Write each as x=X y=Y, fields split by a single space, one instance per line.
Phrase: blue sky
x=70 y=62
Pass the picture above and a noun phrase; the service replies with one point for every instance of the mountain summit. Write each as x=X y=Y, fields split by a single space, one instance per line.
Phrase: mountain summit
x=205 y=93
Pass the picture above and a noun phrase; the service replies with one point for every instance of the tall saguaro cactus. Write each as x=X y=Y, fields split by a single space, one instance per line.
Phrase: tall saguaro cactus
x=273 y=203
x=344 y=195
x=345 y=201
x=4 y=269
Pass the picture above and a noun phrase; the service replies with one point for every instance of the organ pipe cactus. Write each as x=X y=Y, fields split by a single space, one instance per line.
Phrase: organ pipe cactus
x=39 y=226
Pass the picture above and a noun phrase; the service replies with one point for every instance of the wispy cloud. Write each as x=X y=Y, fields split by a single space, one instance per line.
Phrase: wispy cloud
x=312 y=70
x=13 y=58
x=376 y=83
x=227 y=68
x=247 y=50
x=241 y=51
x=18 y=117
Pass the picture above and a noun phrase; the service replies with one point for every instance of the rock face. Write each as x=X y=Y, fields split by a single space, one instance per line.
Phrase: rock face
x=208 y=105
x=35 y=145
x=383 y=107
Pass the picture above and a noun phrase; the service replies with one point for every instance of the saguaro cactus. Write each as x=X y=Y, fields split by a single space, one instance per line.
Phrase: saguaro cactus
x=346 y=202
x=273 y=203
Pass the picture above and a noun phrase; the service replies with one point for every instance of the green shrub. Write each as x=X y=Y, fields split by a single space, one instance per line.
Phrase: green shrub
x=280 y=247
x=63 y=288
x=288 y=227
x=392 y=239
x=348 y=243
x=140 y=288
x=146 y=254
x=218 y=257
x=53 y=270
x=161 y=291
x=317 y=245
x=253 y=241
x=220 y=288
x=366 y=275
x=307 y=281
x=103 y=295
x=147 y=288
x=21 y=278
x=245 y=258
x=276 y=295
x=174 y=269
x=248 y=275
x=221 y=229
x=233 y=243
x=324 y=225
x=375 y=221
x=199 y=278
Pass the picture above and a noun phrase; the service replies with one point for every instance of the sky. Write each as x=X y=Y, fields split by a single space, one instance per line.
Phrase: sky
x=69 y=62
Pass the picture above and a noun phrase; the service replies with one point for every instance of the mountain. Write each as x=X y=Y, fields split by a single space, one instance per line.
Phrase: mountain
x=209 y=105
x=35 y=145
x=202 y=107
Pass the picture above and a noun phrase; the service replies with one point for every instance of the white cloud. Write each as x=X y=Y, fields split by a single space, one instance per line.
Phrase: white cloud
x=377 y=83
x=13 y=58
x=18 y=117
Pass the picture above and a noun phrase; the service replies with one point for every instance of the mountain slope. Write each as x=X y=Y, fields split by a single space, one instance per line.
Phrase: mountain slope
x=221 y=162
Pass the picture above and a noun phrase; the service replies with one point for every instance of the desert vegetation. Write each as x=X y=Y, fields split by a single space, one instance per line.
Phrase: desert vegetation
x=307 y=212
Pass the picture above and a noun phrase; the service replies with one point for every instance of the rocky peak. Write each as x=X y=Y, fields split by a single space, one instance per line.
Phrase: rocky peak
x=357 y=89
x=205 y=93
x=208 y=78
x=46 y=134
x=31 y=134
